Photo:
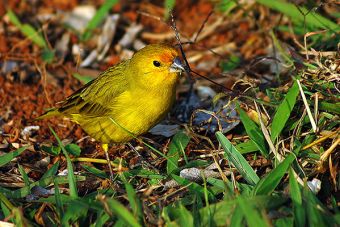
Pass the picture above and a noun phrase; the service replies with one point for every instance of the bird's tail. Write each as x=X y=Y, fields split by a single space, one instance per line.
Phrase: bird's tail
x=50 y=113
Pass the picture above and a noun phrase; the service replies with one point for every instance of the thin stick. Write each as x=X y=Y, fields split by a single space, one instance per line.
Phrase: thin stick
x=220 y=85
x=105 y=147
x=310 y=115
x=43 y=74
x=320 y=140
x=202 y=25
x=265 y=132
x=328 y=152
x=316 y=105
x=174 y=27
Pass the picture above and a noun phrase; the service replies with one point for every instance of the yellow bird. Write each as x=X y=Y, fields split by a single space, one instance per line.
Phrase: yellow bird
x=127 y=99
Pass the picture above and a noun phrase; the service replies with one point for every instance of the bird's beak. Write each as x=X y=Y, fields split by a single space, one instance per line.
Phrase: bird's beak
x=177 y=66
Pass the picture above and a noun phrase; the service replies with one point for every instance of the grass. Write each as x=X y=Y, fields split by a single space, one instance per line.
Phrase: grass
x=276 y=194
x=216 y=202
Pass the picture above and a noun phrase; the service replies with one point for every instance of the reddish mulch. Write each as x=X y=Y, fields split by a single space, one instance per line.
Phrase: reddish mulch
x=22 y=102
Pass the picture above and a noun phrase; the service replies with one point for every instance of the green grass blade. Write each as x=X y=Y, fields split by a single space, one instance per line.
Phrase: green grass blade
x=244 y=189
x=73 y=149
x=217 y=213
x=33 y=35
x=176 y=148
x=230 y=64
x=19 y=219
x=237 y=160
x=51 y=171
x=185 y=217
x=267 y=184
x=121 y=212
x=47 y=55
x=58 y=201
x=222 y=211
x=295 y=195
x=246 y=147
x=74 y=213
x=98 y=18
x=24 y=191
x=206 y=199
x=102 y=218
x=316 y=213
x=253 y=131
x=95 y=171
x=284 y=222
x=251 y=214
x=27 y=30
x=177 y=215
x=72 y=179
x=24 y=175
x=283 y=111
x=135 y=202
x=194 y=187
x=312 y=19
x=283 y=52
x=120 y=223
x=6 y=202
x=168 y=7
x=5 y=211
x=4 y=159
x=13 y=18
x=6 y=192
x=66 y=199
x=82 y=79
x=331 y=107
x=226 y=5
x=237 y=217
x=53 y=150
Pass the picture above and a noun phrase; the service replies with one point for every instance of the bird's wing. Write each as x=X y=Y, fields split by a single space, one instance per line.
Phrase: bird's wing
x=96 y=97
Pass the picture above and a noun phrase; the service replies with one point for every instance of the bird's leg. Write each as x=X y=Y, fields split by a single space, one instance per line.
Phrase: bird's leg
x=105 y=147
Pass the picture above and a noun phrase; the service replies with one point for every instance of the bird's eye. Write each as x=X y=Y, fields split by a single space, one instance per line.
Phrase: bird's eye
x=156 y=63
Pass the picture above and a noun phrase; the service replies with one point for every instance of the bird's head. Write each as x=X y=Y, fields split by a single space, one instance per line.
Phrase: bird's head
x=156 y=65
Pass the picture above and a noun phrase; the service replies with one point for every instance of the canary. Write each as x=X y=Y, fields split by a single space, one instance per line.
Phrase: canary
x=127 y=99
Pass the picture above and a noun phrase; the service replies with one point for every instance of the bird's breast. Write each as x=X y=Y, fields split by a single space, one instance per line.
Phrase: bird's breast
x=144 y=109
